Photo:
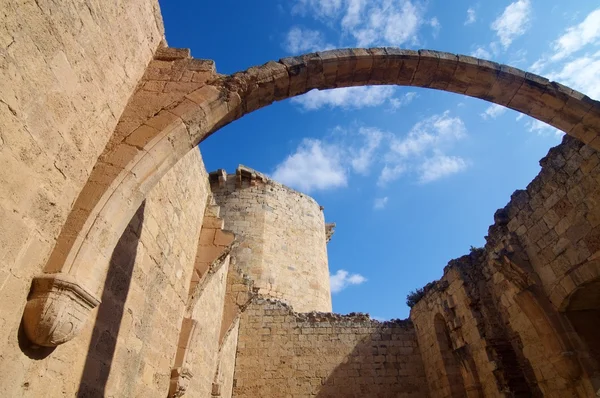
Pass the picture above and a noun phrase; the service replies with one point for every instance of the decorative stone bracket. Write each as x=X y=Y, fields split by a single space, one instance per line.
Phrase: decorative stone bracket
x=57 y=309
x=180 y=381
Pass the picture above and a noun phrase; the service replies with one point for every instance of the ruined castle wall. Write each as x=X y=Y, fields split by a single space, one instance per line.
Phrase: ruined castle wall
x=464 y=364
x=282 y=353
x=67 y=69
x=558 y=217
x=508 y=311
x=282 y=240
x=557 y=221
x=128 y=345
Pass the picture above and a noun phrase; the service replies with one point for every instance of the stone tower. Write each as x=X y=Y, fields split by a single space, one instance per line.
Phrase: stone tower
x=282 y=237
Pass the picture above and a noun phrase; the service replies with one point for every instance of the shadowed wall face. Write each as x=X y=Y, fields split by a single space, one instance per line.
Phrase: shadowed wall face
x=584 y=314
x=128 y=346
x=68 y=70
x=282 y=353
x=454 y=385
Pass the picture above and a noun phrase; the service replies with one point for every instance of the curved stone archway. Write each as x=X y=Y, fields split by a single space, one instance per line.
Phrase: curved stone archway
x=186 y=101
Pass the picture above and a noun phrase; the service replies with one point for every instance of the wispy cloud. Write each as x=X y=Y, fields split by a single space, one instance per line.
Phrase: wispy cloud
x=407 y=98
x=345 y=98
x=513 y=22
x=362 y=158
x=578 y=36
x=380 y=203
x=423 y=146
x=471 y=16
x=493 y=111
x=321 y=164
x=481 y=52
x=390 y=173
x=314 y=166
x=541 y=128
x=368 y=23
x=436 y=26
x=574 y=57
x=432 y=133
x=581 y=74
x=440 y=166
x=343 y=279
x=300 y=40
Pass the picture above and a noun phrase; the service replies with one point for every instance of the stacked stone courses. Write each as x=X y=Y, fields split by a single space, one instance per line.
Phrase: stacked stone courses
x=281 y=237
x=283 y=353
x=121 y=274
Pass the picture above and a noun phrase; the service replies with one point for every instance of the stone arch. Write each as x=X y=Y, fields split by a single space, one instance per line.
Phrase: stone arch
x=135 y=161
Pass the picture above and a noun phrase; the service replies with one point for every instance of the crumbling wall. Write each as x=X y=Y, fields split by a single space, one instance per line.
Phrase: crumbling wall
x=281 y=235
x=476 y=357
x=129 y=343
x=282 y=353
x=542 y=249
x=511 y=301
x=68 y=69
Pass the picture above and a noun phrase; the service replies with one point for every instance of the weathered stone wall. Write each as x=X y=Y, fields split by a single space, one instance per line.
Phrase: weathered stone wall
x=508 y=308
x=68 y=69
x=128 y=346
x=464 y=347
x=282 y=353
x=281 y=235
x=547 y=243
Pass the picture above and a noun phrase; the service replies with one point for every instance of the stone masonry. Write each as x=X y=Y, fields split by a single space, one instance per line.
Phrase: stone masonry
x=128 y=270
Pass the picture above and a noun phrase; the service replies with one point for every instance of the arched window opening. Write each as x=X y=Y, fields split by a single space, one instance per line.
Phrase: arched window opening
x=583 y=312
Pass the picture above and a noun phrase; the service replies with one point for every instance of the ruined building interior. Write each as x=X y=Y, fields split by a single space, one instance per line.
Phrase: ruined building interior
x=128 y=270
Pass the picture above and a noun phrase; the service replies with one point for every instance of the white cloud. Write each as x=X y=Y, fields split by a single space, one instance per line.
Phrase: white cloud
x=346 y=98
x=471 y=17
x=320 y=8
x=343 y=279
x=435 y=25
x=362 y=158
x=314 y=166
x=390 y=173
x=541 y=128
x=429 y=134
x=373 y=22
x=380 y=203
x=300 y=40
x=493 y=111
x=513 y=22
x=320 y=164
x=422 y=150
x=582 y=74
x=407 y=98
x=440 y=166
x=481 y=52
x=573 y=60
x=578 y=36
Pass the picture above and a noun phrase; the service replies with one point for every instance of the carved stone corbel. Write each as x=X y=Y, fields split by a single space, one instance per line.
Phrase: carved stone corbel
x=57 y=309
x=180 y=380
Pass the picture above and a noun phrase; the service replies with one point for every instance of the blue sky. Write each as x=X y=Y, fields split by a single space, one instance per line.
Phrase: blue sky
x=411 y=176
